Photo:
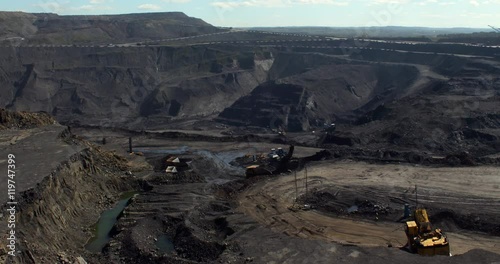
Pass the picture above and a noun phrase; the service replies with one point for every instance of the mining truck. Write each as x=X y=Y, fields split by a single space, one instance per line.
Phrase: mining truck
x=423 y=239
x=271 y=166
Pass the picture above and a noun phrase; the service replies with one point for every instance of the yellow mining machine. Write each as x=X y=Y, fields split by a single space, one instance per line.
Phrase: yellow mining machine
x=422 y=239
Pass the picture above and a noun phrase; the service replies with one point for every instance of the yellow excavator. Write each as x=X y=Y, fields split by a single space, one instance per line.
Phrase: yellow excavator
x=422 y=239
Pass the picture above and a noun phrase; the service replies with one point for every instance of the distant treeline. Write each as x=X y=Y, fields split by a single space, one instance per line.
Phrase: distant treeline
x=439 y=48
x=355 y=46
x=409 y=39
x=486 y=38
x=372 y=32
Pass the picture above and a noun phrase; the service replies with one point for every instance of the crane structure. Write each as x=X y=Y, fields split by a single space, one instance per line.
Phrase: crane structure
x=494 y=28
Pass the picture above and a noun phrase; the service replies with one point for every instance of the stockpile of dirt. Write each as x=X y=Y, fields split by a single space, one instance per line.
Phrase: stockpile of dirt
x=23 y=120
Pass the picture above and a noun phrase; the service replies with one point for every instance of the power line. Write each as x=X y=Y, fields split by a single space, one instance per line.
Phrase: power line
x=494 y=28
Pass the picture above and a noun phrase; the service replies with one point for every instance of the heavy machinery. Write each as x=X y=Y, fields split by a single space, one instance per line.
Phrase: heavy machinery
x=276 y=163
x=424 y=240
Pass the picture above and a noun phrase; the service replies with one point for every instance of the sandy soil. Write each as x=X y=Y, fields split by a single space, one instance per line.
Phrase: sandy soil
x=463 y=189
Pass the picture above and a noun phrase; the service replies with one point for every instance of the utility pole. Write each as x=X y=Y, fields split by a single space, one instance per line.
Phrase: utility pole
x=296 y=188
x=130 y=144
x=416 y=197
x=305 y=167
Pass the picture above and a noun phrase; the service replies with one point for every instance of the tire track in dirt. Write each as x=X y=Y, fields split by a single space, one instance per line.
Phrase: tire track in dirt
x=268 y=201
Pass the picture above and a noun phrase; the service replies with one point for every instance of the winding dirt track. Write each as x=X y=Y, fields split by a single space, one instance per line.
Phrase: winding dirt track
x=466 y=189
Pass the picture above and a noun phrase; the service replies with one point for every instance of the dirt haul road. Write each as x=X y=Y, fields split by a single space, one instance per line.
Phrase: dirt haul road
x=463 y=190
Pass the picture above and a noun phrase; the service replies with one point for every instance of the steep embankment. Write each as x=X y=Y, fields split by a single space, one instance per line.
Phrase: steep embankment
x=126 y=86
x=60 y=184
x=311 y=89
x=54 y=217
x=67 y=200
x=45 y=28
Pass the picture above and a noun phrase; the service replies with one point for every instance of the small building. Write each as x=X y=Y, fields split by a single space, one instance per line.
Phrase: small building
x=171 y=169
x=176 y=162
x=173 y=160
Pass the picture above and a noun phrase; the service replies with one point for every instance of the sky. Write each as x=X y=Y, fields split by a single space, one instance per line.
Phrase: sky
x=247 y=13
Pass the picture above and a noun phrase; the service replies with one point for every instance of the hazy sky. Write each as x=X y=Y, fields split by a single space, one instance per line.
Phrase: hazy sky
x=431 y=13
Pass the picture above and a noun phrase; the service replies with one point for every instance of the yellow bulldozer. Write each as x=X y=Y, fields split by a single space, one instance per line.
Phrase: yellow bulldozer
x=424 y=240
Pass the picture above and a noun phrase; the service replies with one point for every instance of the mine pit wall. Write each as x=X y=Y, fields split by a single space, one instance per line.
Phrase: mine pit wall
x=56 y=216
x=99 y=84
x=328 y=88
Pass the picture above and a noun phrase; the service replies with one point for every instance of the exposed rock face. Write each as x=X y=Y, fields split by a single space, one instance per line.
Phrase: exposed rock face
x=62 y=183
x=270 y=105
x=151 y=87
x=125 y=86
x=62 y=207
x=303 y=97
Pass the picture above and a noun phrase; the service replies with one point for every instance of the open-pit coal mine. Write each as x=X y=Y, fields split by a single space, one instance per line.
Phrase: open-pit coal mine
x=159 y=138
